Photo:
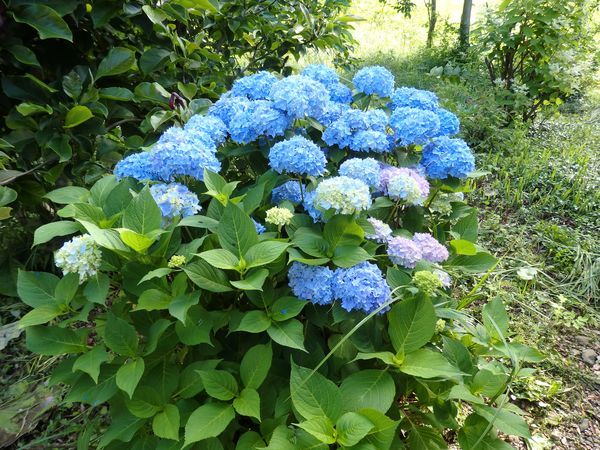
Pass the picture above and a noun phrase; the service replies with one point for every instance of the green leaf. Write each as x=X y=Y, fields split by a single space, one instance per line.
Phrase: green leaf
x=116 y=93
x=138 y=242
x=251 y=322
x=123 y=427
x=384 y=431
x=348 y=256
x=248 y=403
x=213 y=181
x=152 y=300
x=207 y=277
x=117 y=61
x=7 y=195
x=313 y=395
x=289 y=333
x=480 y=262
x=28 y=109
x=373 y=389
x=67 y=195
x=166 y=423
x=190 y=381
x=120 y=336
x=36 y=288
x=425 y=363
x=51 y=341
x=495 y=318
x=199 y=222
x=310 y=242
x=286 y=307
x=264 y=253
x=253 y=281
x=424 y=438
x=387 y=357
x=209 y=420
x=255 y=365
x=152 y=92
x=236 y=230
x=152 y=59
x=49 y=231
x=156 y=273
x=219 y=384
x=91 y=361
x=142 y=215
x=411 y=324
x=352 y=427
x=506 y=421
x=24 y=55
x=488 y=383
x=221 y=259
x=474 y=435
x=66 y=288
x=96 y=289
x=180 y=305
x=61 y=146
x=321 y=428
x=129 y=375
x=461 y=392
x=463 y=247
x=343 y=231
x=40 y=315
x=77 y=115
x=45 y=20
x=467 y=227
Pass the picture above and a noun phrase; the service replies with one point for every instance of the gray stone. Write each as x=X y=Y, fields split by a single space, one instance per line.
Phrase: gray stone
x=584 y=425
x=589 y=356
x=583 y=340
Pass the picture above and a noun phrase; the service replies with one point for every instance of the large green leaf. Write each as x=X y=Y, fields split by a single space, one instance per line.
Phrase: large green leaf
x=77 y=115
x=255 y=365
x=289 y=333
x=352 y=427
x=129 y=375
x=67 y=195
x=251 y=322
x=91 y=361
x=219 y=384
x=47 y=22
x=236 y=231
x=264 y=253
x=411 y=324
x=166 y=423
x=221 y=259
x=504 y=420
x=182 y=303
x=495 y=318
x=342 y=231
x=120 y=336
x=207 y=277
x=384 y=431
x=373 y=389
x=142 y=215
x=426 y=363
x=40 y=315
x=118 y=60
x=51 y=341
x=321 y=428
x=248 y=403
x=51 y=230
x=313 y=395
x=252 y=281
x=36 y=288
x=480 y=262
x=207 y=421
x=474 y=435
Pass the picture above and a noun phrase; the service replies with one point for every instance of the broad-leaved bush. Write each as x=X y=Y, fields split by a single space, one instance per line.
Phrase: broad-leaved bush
x=280 y=274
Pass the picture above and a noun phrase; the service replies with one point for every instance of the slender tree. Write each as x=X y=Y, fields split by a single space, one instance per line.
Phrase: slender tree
x=431 y=6
x=465 y=24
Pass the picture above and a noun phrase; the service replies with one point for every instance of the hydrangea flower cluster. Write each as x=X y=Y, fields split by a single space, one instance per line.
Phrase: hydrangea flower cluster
x=279 y=216
x=338 y=92
x=374 y=80
x=342 y=194
x=361 y=287
x=408 y=97
x=404 y=184
x=360 y=131
x=213 y=127
x=444 y=157
x=260 y=228
x=299 y=96
x=408 y=252
x=290 y=191
x=254 y=87
x=414 y=126
x=80 y=255
x=449 y=123
x=366 y=170
x=257 y=118
x=175 y=200
x=299 y=156
x=427 y=282
x=382 y=231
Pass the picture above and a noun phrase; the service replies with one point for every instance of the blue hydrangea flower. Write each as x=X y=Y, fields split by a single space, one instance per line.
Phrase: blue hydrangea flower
x=213 y=127
x=444 y=277
x=260 y=228
x=227 y=106
x=366 y=170
x=255 y=119
x=255 y=87
x=80 y=255
x=297 y=155
x=331 y=112
x=342 y=194
x=431 y=249
x=444 y=157
x=414 y=126
x=449 y=123
x=135 y=166
x=178 y=153
x=299 y=96
x=404 y=252
x=404 y=187
x=175 y=200
x=359 y=130
x=392 y=182
x=313 y=283
x=361 y=287
x=310 y=208
x=374 y=80
x=290 y=190
x=321 y=73
x=340 y=93
x=408 y=97
x=381 y=231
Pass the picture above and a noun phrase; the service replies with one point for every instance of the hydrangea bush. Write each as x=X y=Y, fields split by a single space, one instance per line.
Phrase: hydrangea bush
x=279 y=274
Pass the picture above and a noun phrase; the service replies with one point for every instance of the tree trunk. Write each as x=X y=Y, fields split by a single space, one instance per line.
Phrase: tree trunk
x=432 y=11
x=465 y=24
